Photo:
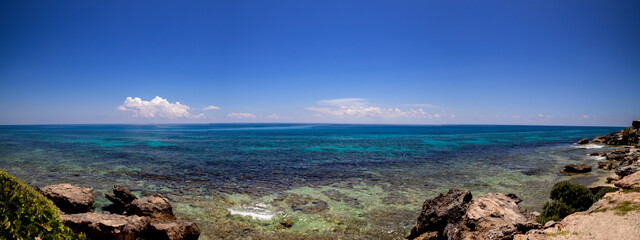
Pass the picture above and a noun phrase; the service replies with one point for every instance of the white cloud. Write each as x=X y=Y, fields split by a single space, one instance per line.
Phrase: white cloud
x=343 y=102
x=156 y=108
x=211 y=108
x=241 y=115
x=516 y=117
x=358 y=108
x=273 y=116
x=585 y=116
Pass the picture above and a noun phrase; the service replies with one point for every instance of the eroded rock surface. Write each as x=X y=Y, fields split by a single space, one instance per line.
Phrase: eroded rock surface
x=70 y=199
x=628 y=182
x=438 y=213
x=173 y=230
x=156 y=207
x=577 y=168
x=107 y=226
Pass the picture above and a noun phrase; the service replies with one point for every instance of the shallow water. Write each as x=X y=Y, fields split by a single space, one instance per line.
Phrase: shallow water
x=332 y=181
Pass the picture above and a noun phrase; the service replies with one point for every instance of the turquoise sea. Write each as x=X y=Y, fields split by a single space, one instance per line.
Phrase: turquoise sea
x=238 y=181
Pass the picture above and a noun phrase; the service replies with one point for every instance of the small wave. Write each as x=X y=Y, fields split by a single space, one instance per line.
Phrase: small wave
x=599 y=158
x=258 y=212
x=588 y=146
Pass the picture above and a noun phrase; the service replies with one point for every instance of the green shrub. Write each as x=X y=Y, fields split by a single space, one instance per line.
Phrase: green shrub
x=575 y=196
x=555 y=211
x=26 y=214
x=602 y=192
x=568 y=198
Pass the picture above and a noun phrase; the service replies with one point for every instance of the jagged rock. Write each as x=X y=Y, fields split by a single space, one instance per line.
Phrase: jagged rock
x=68 y=198
x=173 y=230
x=630 y=181
x=441 y=211
x=121 y=200
x=599 y=139
x=616 y=156
x=628 y=170
x=156 y=207
x=106 y=226
x=577 y=168
x=496 y=216
x=583 y=141
x=606 y=165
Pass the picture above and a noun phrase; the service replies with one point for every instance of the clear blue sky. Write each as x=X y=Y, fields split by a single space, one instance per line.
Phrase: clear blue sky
x=426 y=62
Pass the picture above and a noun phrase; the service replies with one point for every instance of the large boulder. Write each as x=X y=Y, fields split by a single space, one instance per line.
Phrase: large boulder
x=577 y=168
x=173 y=230
x=438 y=213
x=107 y=226
x=156 y=207
x=630 y=181
x=496 y=216
x=68 y=198
x=121 y=199
x=583 y=141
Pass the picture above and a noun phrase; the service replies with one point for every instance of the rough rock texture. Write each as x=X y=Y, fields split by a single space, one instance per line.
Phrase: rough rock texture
x=121 y=200
x=173 y=230
x=68 y=198
x=630 y=181
x=156 y=207
x=628 y=136
x=458 y=215
x=604 y=220
x=496 y=216
x=107 y=226
x=628 y=170
x=583 y=141
x=606 y=165
x=577 y=168
x=438 y=213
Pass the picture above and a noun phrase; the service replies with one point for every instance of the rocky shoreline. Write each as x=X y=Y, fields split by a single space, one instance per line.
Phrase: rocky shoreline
x=127 y=218
x=459 y=215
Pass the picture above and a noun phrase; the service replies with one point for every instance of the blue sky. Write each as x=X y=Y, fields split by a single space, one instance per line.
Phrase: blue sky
x=419 y=62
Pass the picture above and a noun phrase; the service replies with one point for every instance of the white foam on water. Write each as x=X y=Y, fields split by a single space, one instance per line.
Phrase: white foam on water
x=258 y=212
x=588 y=146
x=599 y=158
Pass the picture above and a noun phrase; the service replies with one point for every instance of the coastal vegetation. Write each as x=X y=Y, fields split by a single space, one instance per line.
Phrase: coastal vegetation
x=26 y=214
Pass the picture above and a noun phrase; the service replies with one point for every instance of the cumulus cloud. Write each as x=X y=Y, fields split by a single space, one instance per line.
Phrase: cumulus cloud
x=241 y=115
x=156 y=108
x=211 y=108
x=358 y=107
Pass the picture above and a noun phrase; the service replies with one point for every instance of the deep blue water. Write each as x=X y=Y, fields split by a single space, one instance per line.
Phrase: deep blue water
x=262 y=159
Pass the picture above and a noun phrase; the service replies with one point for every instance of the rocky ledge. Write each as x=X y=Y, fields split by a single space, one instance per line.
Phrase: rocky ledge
x=458 y=215
x=128 y=218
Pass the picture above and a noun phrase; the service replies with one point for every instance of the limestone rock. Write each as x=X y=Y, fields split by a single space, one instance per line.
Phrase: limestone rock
x=441 y=211
x=628 y=170
x=577 y=168
x=156 y=207
x=496 y=216
x=173 y=230
x=68 y=198
x=583 y=141
x=106 y=226
x=630 y=181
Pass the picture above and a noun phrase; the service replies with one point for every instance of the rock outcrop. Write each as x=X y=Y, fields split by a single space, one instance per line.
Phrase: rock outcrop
x=615 y=216
x=107 y=226
x=146 y=218
x=628 y=136
x=156 y=207
x=121 y=200
x=458 y=215
x=68 y=198
x=173 y=230
x=577 y=168
x=583 y=141
x=628 y=182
